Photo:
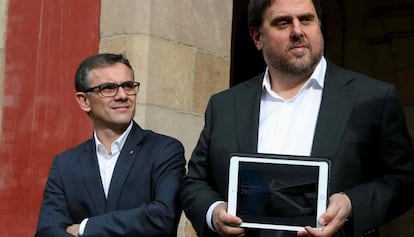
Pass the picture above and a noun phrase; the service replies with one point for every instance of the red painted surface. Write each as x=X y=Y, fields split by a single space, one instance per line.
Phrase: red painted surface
x=45 y=42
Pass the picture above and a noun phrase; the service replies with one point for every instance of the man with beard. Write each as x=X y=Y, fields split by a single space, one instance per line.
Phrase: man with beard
x=305 y=105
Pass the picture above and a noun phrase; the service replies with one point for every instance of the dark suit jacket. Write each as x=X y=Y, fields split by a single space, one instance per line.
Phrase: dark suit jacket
x=143 y=194
x=361 y=127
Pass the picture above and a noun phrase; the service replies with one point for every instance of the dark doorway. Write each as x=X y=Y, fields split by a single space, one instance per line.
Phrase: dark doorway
x=246 y=61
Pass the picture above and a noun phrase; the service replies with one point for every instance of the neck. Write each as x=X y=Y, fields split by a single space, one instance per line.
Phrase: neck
x=108 y=135
x=286 y=85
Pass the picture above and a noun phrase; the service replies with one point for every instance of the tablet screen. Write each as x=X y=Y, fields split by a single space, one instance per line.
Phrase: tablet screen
x=277 y=192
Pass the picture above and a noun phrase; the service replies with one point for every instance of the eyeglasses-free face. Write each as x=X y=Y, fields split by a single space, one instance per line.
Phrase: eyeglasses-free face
x=110 y=89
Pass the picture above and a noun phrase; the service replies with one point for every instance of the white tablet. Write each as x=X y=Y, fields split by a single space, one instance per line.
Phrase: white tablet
x=278 y=192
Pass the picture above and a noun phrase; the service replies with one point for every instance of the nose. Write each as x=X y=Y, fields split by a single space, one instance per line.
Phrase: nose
x=297 y=31
x=121 y=93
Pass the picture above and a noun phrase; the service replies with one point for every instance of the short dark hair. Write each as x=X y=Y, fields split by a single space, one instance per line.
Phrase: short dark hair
x=256 y=9
x=96 y=61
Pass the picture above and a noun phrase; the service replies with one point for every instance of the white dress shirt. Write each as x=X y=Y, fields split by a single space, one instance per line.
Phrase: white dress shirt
x=287 y=126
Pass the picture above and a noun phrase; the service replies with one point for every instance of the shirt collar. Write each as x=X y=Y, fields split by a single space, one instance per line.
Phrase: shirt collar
x=317 y=78
x=118 y=143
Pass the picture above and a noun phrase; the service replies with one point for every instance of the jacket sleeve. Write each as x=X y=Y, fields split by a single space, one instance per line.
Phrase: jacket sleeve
x=54 y=216
x=389 y=194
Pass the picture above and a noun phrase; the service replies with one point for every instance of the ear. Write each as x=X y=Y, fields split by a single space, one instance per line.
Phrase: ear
x=255 y=35
x=83 y=101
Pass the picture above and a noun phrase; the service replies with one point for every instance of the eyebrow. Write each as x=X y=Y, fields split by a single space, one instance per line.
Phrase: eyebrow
x=290 y=17
x=307 y=15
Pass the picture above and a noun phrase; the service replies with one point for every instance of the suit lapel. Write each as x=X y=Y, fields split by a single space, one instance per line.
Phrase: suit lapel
x=337 y=103
x=247 y=107
x=92 y=178
x=125 y=160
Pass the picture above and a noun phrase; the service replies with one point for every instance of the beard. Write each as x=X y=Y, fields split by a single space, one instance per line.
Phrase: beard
x=297 y=64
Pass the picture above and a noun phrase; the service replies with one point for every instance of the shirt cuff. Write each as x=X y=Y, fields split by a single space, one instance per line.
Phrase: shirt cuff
x=82 y=226
x=210 y=214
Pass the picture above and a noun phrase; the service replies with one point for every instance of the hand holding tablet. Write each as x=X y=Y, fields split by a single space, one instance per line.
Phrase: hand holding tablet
x=278 y=192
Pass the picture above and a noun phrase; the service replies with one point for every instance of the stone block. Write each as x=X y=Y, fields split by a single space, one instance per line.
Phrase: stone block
x=125 y=17
x=186 y=127
x=202 y=24
x=211 y=75
x=170 y=74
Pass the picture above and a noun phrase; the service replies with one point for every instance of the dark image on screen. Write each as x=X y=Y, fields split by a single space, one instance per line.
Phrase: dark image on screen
x=277 y=194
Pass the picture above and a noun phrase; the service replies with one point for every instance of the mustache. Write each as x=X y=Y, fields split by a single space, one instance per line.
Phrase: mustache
x=298 y=43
